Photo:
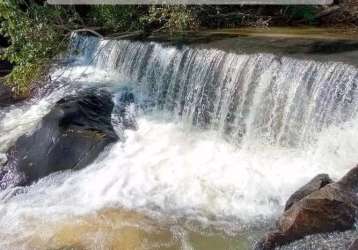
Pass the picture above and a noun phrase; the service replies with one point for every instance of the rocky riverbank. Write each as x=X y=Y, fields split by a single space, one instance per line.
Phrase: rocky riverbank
x=320 y=206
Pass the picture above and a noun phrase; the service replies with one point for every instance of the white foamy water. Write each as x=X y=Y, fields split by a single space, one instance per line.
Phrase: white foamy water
x=277 y=100
x=18 y=120
x=167 y=169
x=222 y=139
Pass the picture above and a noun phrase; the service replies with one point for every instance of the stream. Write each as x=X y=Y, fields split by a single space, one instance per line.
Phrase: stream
x=222 y=140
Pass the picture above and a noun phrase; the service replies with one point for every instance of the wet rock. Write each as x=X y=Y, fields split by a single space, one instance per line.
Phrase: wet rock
x=5 y=68
x=350 y=180
x=354 y=245
x=315 y=184
x=331 y=208
x=6 y=96
x=71 y=136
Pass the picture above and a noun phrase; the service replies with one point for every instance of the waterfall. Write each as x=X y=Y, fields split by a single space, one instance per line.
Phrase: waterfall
x=222 y=141
x=281 y=100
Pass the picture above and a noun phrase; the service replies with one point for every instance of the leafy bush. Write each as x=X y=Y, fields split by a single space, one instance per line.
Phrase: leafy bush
x=302 y=13
x=174 y=18
x=37 y=31
x=115 y=17
x=36 y=34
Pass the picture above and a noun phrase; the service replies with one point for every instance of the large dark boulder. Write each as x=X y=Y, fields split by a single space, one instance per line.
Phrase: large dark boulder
x=315 y=184
x=70 y=137
x=330 y=208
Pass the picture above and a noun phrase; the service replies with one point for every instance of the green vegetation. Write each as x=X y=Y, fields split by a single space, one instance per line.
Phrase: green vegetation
x=36 y=34
x=115 y=18
x=134 y=18
x=306 y=14
x=172 y=18
x=37 y=31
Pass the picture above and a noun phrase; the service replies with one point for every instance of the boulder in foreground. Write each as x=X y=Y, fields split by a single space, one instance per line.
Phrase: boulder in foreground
x=71 y=136
x=330 y=208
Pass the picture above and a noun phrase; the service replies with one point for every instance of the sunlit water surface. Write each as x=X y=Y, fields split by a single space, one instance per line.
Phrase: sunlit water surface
x=169 y=184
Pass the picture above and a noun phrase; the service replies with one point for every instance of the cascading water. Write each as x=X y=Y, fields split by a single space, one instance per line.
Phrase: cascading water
x=223 y=139
x=278 y=99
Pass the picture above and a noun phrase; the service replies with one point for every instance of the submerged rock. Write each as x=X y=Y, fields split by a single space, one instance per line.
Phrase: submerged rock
x=330 y=208
x=124 y=112
x=71 y=136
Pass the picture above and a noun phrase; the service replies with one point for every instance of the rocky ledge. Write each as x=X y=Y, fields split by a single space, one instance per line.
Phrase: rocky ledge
x=321 y=206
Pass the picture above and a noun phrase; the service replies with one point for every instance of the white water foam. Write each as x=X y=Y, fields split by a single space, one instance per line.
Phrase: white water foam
x=170 y=168
x=20 y=119
x=167 y=168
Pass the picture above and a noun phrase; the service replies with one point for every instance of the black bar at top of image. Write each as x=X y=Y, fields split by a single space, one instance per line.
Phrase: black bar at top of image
x=196 y=2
